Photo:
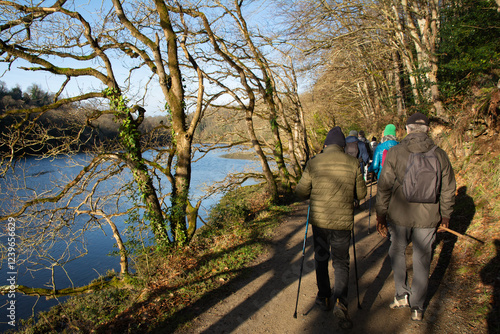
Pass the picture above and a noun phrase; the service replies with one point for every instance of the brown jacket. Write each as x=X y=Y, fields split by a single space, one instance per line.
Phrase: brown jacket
x=332 y=179
x=390 y=198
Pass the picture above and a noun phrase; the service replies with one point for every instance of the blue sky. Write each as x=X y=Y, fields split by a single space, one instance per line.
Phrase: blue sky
x=154 y=102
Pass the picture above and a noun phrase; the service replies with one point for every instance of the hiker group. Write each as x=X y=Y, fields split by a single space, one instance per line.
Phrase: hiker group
x=415 y=197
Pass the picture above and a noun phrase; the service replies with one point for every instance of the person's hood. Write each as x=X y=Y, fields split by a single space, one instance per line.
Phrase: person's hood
x=387 y=138
x=350 y=139
x=418 y=142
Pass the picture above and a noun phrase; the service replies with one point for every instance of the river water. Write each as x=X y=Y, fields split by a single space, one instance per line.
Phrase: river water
x=40 y=174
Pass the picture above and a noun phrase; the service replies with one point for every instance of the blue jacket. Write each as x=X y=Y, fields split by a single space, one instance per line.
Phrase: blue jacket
x=376 y=165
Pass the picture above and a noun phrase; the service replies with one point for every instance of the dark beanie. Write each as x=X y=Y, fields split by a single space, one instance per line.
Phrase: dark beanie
x=335 y=137
x=418 y=118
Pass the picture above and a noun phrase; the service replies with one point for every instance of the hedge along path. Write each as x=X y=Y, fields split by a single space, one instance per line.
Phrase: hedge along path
x=264 y=302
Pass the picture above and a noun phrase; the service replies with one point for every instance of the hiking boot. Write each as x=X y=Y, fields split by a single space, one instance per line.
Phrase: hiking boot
x=340 y=311
x=400 y=302
x=323 y=303
x=417 y=314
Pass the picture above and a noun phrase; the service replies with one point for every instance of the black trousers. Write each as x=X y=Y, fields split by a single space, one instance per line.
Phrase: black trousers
x=332 y=244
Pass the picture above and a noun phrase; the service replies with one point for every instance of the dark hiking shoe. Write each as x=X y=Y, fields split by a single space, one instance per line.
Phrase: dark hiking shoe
x=417 y=314
x=400 y=302
x=323 y=303
x=340 y=311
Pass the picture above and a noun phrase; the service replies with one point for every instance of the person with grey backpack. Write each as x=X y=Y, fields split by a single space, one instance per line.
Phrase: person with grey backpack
x=416 y=194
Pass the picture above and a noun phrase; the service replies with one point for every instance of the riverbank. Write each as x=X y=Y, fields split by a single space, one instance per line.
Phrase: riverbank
x=241 y=155
x=242 y=278
x=39 y=174
x=164 y=284
x=241 y=273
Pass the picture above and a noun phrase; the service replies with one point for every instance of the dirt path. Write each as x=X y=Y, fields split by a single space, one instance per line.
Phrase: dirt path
x=264 y=302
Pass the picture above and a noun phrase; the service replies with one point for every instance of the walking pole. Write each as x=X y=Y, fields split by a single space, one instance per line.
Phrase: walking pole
x=302 y=264
x=355 y=266
x=370 y=204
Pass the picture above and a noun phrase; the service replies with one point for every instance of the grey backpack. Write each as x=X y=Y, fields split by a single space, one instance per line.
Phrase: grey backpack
x=352 y=149
x=422 y=180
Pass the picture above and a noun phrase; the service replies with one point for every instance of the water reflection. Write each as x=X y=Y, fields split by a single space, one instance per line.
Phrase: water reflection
x=34 y=177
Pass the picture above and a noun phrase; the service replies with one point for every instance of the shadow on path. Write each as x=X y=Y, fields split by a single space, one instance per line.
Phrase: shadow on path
x=460 y=221
x=281 y=269
x=262 y=298
x=490 y=275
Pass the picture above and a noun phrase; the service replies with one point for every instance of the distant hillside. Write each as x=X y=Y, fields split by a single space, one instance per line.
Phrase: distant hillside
x=67 y=129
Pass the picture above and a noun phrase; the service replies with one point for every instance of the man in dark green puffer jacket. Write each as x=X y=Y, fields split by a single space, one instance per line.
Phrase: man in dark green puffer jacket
x=332 y=180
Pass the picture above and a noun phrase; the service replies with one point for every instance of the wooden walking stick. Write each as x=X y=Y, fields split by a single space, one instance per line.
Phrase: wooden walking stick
x=465 y=236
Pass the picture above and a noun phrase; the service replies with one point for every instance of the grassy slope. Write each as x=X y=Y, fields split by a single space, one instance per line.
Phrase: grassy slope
x=167 y=284
x=475 y=267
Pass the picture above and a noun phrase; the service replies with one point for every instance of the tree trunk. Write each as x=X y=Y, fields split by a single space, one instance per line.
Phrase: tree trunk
x=121 y=247
x=131 y=140
x=405 y=50
x=397 y=85
x=268 y=174
x=180 y=193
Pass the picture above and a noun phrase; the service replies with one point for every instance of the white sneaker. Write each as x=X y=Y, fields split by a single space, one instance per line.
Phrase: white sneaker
x=417 y=314
x=400 y=303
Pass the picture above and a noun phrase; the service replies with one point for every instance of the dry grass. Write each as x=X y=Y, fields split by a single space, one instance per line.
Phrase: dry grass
x=473 y=274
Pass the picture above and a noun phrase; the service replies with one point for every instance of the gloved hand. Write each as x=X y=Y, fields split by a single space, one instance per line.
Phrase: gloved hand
x=382 y=226
x=445 y=222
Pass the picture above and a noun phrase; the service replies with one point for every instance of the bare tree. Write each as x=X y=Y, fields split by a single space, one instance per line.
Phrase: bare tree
x=384 y=51
x=263 y=82
x=145 y=36
x=416 y=27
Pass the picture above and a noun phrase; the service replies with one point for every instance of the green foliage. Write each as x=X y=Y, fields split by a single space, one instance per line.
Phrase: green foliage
x=80 y=312
x=136 y=233
x=238 y=206
x=129 y=132
x=469 y=49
